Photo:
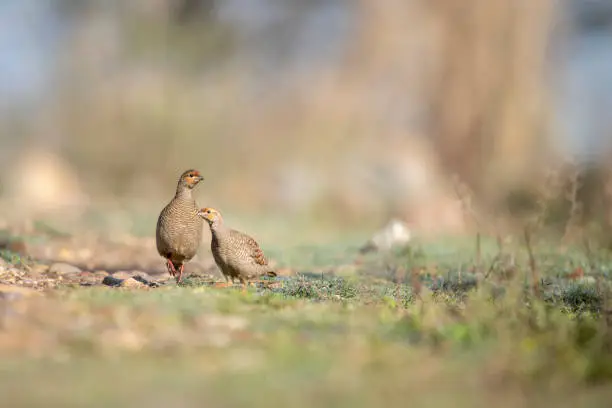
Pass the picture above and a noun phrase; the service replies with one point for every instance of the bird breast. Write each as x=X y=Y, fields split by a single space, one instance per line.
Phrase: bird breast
x=180 y=229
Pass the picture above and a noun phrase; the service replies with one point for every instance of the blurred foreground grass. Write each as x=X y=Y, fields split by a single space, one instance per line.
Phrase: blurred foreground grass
x=424 y=326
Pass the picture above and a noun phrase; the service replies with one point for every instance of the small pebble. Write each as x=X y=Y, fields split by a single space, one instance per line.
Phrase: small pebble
x=133 y=283
x=61 y=268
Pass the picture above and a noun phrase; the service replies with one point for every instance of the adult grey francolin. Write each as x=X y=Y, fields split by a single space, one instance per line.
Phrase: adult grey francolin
x=179 y=228
x=236 y=254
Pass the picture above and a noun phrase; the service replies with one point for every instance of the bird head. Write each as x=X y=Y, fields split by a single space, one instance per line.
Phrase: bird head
x=190 y=178
x=211 y=215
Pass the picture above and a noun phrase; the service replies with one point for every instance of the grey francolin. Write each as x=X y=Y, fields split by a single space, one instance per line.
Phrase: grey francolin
x=236 y=254
x=179 y=228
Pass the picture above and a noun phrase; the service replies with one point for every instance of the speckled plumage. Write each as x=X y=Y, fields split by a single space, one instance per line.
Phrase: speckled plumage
x=179 y=228
x=235 y=253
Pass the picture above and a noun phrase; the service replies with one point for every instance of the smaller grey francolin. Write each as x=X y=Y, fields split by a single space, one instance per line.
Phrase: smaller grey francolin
x=235 y=253
x=179 y=228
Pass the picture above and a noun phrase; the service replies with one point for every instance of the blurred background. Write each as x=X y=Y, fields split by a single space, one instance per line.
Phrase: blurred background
x=346 y=112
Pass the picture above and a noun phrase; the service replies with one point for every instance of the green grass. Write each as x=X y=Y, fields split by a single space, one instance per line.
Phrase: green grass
x=352 y=337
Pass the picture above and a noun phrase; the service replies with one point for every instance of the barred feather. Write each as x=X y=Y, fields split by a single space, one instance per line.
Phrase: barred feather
x=179 y=228
x=237 y=254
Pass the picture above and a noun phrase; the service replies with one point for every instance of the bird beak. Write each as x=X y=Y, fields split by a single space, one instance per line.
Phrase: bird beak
x=200 y=178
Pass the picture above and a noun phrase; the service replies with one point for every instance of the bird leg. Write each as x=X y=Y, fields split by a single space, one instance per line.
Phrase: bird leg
x=170 y=267
x=180 y=273
x=228 y=282
x=245 y=284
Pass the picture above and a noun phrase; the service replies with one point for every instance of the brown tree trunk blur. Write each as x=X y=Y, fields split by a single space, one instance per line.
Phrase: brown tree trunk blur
x=488 y=104
x=186 y=11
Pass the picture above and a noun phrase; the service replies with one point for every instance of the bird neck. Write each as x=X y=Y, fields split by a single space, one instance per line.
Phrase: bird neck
x=183 y=192
x=218 y=227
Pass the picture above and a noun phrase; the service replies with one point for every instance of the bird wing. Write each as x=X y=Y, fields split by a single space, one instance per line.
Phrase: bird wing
x=256 y=252
x=252 y=248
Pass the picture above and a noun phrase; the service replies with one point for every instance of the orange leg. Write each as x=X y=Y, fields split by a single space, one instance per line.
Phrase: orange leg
x=228 y=282
x=180 y=273
x=245 y=285
x=170 y=267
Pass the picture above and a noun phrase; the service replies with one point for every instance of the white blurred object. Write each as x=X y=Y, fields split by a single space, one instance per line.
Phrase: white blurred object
x=395 y=234
x=41 y=181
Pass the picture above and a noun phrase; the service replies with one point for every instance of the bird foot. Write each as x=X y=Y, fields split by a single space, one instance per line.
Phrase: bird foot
x=245 y=286
x=180 y=274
